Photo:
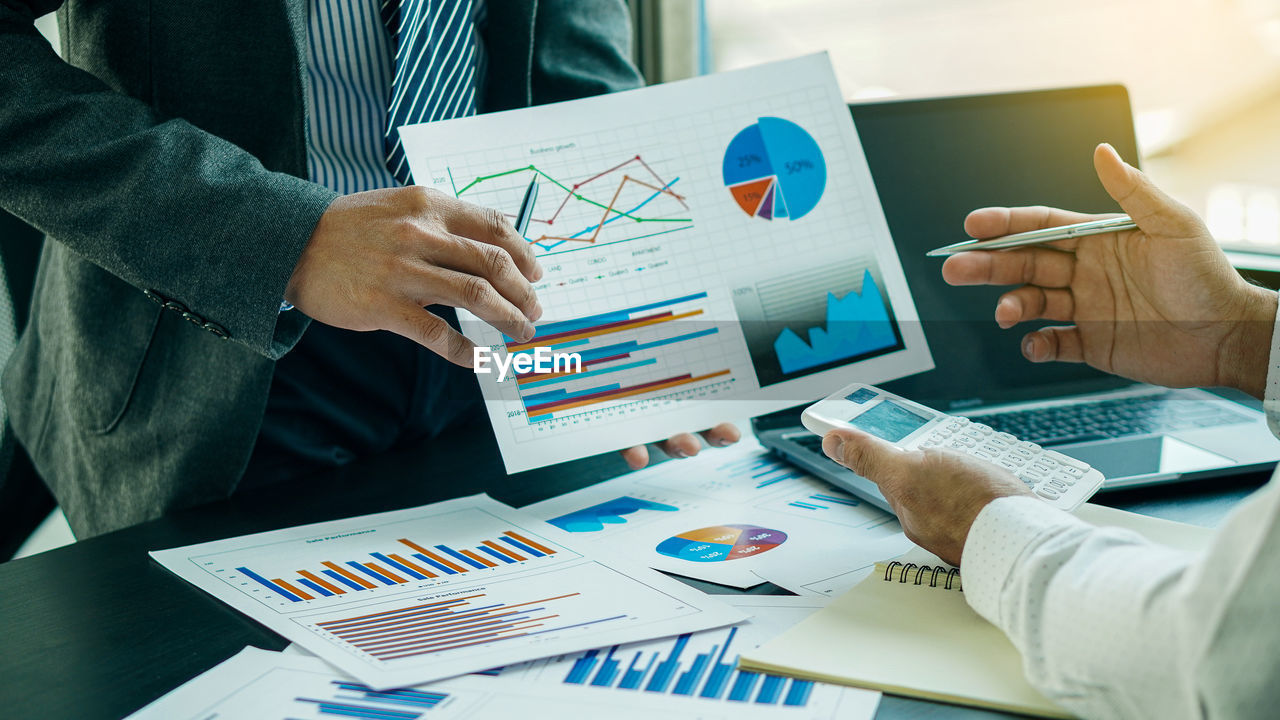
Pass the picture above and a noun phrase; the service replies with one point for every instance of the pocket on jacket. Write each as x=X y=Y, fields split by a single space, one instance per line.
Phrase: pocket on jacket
x=105 y=327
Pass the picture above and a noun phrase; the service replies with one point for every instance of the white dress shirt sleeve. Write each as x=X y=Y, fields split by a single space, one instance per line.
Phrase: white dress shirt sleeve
x=1113 y=626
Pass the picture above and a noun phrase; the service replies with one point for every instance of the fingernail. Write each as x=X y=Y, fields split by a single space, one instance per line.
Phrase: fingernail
x=831 y=445
x=1028 y=348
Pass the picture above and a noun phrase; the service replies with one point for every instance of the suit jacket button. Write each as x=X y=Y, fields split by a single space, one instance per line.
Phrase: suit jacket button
x=217 y=329
x=175 y=306
x=154 y=296
x=193 y=318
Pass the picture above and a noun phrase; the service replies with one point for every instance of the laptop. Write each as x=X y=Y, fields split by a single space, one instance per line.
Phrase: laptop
x=934 y=160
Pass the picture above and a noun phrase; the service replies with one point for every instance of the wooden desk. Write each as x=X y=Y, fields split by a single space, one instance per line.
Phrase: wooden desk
x=97 y=630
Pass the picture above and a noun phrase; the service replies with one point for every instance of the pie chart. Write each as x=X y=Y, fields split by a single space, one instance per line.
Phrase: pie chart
x=721 y=542
x=775 y=170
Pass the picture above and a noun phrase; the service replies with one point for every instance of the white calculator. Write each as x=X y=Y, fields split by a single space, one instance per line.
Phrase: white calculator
x=1062 y=481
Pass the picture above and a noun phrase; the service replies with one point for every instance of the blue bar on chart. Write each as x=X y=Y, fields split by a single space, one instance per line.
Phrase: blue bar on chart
x=719 y=677
x=763 y=470
x=742 y=686
x=690 y=678
x=608 y=670
x=391 y=569
x=268 y=584
x=582 y=668
x=809 y=504
x=424 y=628
x=635 y=674
x=607 y=345
x=315 y=587
x=710 y=675
x=770 y=689
x=406 y=704
x=667 y=668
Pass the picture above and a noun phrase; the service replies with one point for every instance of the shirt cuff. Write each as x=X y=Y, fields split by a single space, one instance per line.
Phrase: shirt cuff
x=1001 y=534
x=1271 y=397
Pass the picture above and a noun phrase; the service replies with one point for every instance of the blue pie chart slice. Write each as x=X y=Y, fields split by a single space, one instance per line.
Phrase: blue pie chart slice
x=774 y=169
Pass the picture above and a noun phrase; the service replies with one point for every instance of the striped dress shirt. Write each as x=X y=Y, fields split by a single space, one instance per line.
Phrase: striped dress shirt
x=350 y=65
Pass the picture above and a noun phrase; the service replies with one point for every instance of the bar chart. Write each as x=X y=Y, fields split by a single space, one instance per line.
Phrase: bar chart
x=353 y=699
x=628 y=354
x=824 y=501
x=393 y=568
x=412 y=596
x=698 y=669
x=710 y=674
x=450 y=624
x=753 y=474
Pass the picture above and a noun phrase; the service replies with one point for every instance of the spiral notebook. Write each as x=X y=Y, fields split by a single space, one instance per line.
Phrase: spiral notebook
x=907 y=630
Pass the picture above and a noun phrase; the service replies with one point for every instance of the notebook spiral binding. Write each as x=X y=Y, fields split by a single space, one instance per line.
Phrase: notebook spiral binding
x=941 y=576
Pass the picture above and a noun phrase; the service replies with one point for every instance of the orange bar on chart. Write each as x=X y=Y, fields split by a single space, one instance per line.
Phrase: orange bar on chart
x=349 y=575
x=292 y=589
x=536 y=546
x=499 y=549
x=452 y=566
x=384 y=572
x=411 y=566
x=477 y=558
x=322 y=583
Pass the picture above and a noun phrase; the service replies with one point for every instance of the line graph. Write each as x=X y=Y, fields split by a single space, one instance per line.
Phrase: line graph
x=652 y=189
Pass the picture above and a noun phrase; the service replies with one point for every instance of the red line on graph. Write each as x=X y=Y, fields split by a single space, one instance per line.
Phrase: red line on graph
x=662 y=183
x=608 y=209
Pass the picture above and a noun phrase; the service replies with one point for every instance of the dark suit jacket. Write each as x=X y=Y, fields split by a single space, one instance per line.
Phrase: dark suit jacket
x=165 y=161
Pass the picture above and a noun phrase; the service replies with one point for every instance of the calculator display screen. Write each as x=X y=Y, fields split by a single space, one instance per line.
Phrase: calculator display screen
x=889 y=421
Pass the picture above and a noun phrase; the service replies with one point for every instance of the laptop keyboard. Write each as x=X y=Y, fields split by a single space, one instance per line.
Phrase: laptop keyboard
x=1123 y=417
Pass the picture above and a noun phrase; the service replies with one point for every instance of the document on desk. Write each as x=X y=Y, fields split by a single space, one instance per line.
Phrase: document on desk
x=713 y=248
x=737 y=516
x=416 y=595
x=261 y=684
x=697 y=669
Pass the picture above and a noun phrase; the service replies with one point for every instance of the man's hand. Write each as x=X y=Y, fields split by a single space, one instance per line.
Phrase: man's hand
x=377 y=258
x=936 y=494
x=684 y=445
x=1159 y=304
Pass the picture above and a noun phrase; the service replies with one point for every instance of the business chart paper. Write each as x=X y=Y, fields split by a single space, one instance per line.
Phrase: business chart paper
x=714 y=248
x=701 y=667
x=261 y=684
x=410 y=596
x=737 y=516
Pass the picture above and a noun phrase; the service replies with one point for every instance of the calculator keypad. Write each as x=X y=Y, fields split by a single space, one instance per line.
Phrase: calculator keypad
x=1048 y=473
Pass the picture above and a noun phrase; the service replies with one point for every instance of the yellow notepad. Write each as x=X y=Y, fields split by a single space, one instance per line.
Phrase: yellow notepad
x=920 y=639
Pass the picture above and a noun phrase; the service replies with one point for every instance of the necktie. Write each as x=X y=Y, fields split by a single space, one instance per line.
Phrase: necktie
x=435 y=68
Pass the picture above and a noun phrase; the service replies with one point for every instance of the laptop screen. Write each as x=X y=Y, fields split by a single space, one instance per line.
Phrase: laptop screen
x=935 y=160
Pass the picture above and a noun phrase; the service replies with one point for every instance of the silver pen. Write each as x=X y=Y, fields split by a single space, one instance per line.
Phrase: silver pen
x=1036 y=237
